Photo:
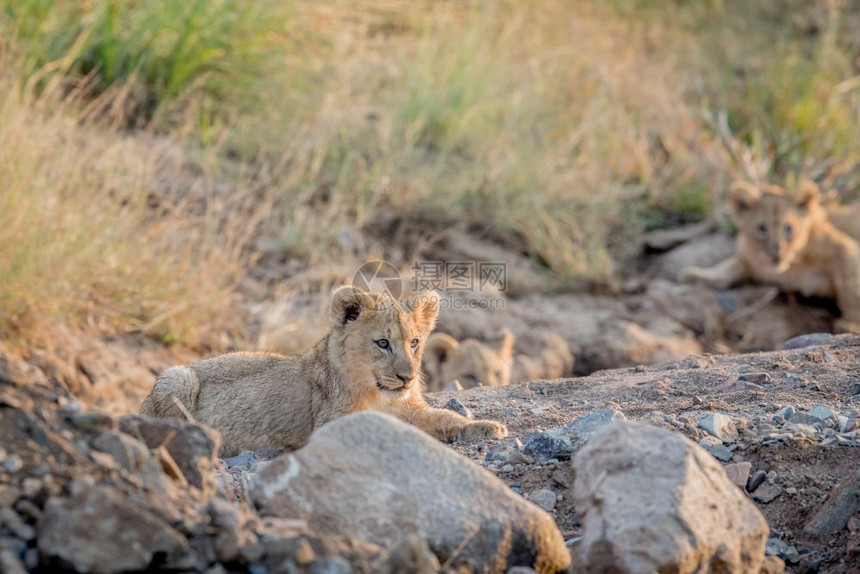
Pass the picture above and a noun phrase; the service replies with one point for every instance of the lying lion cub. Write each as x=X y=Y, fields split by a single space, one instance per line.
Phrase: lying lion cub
x=473 y=363
x=370 y=360
x=788 y=239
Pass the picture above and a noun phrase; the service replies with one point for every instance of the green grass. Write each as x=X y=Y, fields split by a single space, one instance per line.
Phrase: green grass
x=219 y=50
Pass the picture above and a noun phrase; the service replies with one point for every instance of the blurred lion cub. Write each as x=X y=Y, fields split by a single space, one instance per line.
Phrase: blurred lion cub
x=473 y=363
x=371 y=359
x=788 y=239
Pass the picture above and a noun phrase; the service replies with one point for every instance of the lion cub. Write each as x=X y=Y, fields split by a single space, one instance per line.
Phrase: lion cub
x=369 y=360
x=473 y=363
x=788 y=239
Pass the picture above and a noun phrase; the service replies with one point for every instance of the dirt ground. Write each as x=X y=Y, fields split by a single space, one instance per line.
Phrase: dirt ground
x=675 y=395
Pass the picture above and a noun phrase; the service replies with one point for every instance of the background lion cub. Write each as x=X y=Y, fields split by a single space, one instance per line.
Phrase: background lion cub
x=371 y=359
x=473 y=363
x=788 y=239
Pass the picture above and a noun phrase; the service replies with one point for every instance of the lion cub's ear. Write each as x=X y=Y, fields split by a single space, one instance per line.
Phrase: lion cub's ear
x=807 y=194
x=506 y=349
x=439 y=350
x=425 y=309
x=743 y=196
x=347 y=304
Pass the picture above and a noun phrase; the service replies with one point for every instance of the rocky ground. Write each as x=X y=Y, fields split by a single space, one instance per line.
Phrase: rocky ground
x=784 y=424
x=86 y=491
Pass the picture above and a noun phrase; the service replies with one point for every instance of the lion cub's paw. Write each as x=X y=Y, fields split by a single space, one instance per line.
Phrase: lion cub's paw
x=847 y=326
x=484 y=429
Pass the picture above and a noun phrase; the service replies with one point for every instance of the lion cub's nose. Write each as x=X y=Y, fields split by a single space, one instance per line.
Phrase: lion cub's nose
x=405 y=379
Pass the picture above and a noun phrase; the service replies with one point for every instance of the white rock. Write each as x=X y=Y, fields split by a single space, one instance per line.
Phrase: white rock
x=371 y=476
x=720 y=426
x=650 y=500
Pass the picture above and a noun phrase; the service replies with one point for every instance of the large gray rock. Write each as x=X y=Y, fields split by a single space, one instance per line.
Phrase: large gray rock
x=842 y=503
x=98 y=530
x=581 y=428
x=373 y=477
x=650 y=500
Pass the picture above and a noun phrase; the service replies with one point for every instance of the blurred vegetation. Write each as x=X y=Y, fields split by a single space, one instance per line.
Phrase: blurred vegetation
x=304 y=128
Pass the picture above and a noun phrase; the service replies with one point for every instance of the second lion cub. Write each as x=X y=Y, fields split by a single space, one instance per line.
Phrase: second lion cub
x=788 y=239
x=371 y=359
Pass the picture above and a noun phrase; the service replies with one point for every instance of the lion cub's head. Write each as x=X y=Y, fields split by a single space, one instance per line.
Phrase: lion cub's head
x=776 y=219
x=378 y=341
x=471 y=362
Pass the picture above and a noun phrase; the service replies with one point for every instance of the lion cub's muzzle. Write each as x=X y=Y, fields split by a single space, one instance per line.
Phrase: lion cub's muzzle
x=394 y=385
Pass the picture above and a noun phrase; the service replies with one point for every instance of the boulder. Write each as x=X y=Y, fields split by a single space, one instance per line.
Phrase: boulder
x=842 y=503
x=651 y=500
x=98 y=530
x=192 y=446
x=373 y=477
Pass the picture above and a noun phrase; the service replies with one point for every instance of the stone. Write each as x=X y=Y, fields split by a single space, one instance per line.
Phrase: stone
x=542 y=446
x=767 y=493
x=782 y=549
x=544 y=498
x=784 y=413
x=13 y=463
x=455 y=405
x=232 y=525
x=98 y=530
x=801 y=430
x=840 y=505
x=412 y=555
x=720 y=426
x=650 y=500
x=581 y=428
x=92 y=422
x=756 y=479
x=823 y=413
x=807 y=419
x=503 y=451
x=716 y=447
x=192 y=446
x=126 y=451
x=806 y=341
x=14 y=524
x=739 y=473
x=9 y=494
x=10 y=563
x=757 y=378
x=372 y=474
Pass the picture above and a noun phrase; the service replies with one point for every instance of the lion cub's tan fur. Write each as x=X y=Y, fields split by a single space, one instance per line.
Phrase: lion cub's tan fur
x=788 y=239
x=473 y=363
x=257 y=399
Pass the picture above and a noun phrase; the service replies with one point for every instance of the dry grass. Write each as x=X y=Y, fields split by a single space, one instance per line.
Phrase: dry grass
x=99 y=230
x=562 y=129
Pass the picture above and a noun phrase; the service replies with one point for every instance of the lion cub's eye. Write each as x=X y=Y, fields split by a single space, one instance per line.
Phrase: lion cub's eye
x=382 y=344
x=788 y=232
x=414 y=345
x=762 y=232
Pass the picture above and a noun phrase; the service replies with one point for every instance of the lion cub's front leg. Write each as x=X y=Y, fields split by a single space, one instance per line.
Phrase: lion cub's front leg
x=449 y=426
x=721 y=276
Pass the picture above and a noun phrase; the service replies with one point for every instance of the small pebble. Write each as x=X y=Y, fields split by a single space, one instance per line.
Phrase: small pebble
x=757 y=378
x=458 y=407
x=544 y=498
x=13 y=463
x=767 y=493
x=755 y=480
